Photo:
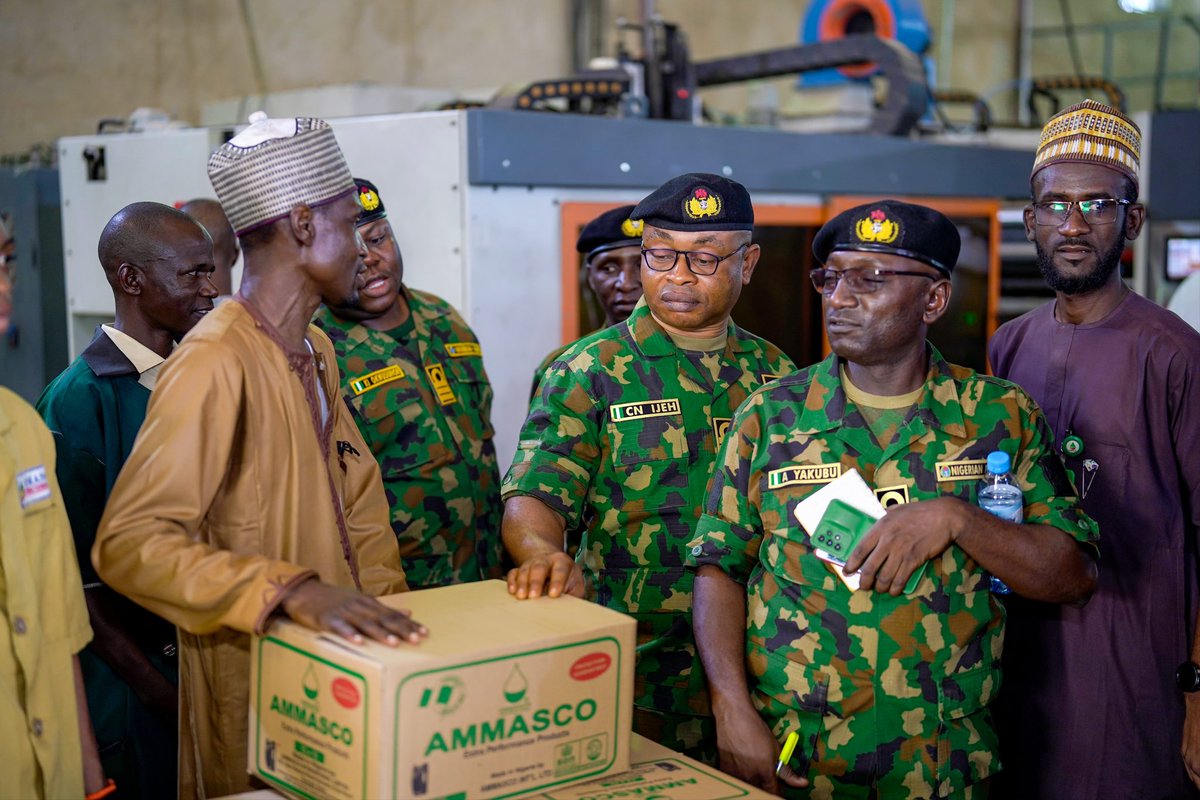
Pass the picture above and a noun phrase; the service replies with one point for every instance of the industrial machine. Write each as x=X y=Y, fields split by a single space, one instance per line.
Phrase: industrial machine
x=831 y=20
x=664 y=83
x=35 y=347
x=487 y=205
x=487 y=202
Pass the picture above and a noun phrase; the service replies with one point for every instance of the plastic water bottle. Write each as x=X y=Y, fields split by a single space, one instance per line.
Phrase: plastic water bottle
x=1000 y=494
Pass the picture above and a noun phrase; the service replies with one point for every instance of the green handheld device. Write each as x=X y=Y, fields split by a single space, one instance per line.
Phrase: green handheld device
x=839 y=532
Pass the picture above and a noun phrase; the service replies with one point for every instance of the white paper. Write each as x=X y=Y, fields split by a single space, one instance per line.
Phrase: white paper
x=850 y=488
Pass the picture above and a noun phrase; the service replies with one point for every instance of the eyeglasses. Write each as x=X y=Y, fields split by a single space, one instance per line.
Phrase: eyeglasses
x=1095 y=212
x=859 y=281
x=664 y=259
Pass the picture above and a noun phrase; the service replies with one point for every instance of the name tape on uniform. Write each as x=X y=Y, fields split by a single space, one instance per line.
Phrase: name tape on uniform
x=720 y=428
x=960 y=470
x=441 y=386
x=623 y=412
x=463 y=349
x=803 y=474
x=365 y=383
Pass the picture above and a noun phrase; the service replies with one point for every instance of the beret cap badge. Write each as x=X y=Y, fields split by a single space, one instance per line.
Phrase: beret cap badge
x=876 y=227
x=702 y=204
x=370 y=201
x=632 y=228
x=368 y=198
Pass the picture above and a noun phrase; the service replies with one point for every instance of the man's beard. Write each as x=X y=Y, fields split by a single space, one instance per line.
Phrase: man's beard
x=1106 y=263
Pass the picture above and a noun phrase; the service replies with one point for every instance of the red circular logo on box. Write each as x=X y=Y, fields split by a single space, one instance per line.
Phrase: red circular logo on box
x=593 y=665
x=346 y=693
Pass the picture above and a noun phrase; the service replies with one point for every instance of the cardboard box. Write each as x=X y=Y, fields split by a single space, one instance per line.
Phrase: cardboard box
x=505 y=697
x=656 y=772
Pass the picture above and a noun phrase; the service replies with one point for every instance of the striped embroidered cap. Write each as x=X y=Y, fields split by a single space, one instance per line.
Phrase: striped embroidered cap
x=1091 y=132
x=272 y=166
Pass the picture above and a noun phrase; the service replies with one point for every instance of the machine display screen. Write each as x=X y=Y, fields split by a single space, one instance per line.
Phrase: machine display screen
x=1183 y=256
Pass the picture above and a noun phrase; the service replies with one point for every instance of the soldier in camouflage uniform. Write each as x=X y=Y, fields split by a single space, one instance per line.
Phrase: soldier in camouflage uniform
x=612 y=260
x=611 y=245
x=621 y=440
x=412 y=372
x=887 y=691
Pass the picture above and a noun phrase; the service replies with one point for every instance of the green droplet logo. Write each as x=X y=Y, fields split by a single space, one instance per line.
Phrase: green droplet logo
x=310 y=683
x=516 y=686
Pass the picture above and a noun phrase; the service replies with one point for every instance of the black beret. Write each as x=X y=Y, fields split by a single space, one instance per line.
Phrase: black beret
x=372 y=204
x=698 y=201
x=610 y=230
x=891 y=226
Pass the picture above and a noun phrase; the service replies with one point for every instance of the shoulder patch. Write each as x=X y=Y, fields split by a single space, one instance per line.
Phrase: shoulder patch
x=463 y=349
x=32 y=485
x=372 y=380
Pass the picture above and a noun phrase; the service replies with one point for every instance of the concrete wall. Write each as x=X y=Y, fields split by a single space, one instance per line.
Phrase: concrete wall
x=64 y=64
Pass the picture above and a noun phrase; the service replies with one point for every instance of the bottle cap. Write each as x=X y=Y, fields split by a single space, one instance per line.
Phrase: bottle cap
x=998 y=462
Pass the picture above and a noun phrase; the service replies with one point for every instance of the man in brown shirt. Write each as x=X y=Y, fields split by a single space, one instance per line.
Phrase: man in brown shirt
x=249 y=491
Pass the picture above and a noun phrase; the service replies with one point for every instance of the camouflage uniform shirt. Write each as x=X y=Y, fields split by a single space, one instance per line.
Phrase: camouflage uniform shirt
x=541 y=368
x=424 y=408
x=889 y=694
x=621 y=441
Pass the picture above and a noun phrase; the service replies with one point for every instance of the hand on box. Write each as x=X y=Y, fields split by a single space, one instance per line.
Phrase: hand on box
x=904 y=539
x=349 y=614
x=551 y=574
x=749 y=751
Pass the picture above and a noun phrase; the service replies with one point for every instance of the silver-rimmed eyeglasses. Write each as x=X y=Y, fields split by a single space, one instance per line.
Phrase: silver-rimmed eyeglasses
x=1100 y=211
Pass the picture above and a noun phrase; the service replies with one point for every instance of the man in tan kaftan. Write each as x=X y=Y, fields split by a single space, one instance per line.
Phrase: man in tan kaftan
x=249 y=492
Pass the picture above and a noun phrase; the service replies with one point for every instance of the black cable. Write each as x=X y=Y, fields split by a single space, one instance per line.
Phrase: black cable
x=939 y=110
x=1069 y=25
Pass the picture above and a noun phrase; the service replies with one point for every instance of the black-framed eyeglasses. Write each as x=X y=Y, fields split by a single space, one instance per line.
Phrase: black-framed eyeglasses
x=1100 y=211
x=860 y=280
x=663 y=259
